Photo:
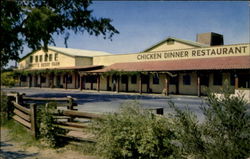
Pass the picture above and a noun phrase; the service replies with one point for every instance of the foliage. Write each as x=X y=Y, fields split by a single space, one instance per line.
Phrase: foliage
x=121 y=72
x=7 y=79
x=48 y=131
x=38 y=72
x=225 y=133
x=34 y=23
x=134 y=133
x=4 y=108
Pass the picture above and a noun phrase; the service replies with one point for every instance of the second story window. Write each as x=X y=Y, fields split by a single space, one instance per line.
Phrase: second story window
x=36 y=58
x=50 y=57
x=46 y=57
x=41 y=58
x=31 y=59
x=56 y=56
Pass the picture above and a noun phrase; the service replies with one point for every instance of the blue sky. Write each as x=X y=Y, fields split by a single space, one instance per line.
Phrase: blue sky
x=143 y=23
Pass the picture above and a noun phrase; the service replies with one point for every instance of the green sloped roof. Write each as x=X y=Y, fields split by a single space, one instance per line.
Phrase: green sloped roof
x=188 y=42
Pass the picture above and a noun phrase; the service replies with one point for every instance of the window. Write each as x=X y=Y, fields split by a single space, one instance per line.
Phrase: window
x=31 y=59
x=144 y=79
x=36 y=58
x=217 y=79
x=133 y=79
x=232 y=79
x=173 y=80
x=91 y=79
x=46 y=57
x=50 y=57
x=156 y=79
x=23 y=78
x=124 y=79
x=56 y=56
x=43 y=79
x=41 y=58
x=186 y=80
x=204 y=80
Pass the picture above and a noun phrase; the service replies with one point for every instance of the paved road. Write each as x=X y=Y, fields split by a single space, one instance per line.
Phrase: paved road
x=95 y=102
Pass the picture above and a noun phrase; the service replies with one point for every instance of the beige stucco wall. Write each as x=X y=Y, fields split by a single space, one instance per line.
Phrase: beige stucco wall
x=182 y=54
x=83 y=61
x=176 y=45
x=63 y=61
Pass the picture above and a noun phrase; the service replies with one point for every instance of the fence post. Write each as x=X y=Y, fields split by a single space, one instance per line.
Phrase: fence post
x=10 y=106
x=33 y=107
x=70 y=106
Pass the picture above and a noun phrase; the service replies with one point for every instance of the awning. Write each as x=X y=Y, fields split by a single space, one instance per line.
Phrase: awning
x=218 y=63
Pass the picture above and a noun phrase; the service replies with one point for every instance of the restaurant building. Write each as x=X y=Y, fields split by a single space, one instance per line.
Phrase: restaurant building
x=172 y=66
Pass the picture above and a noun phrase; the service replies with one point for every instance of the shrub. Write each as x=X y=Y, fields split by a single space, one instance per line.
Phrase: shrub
x=7 y=79
x=48 y=130
x=225 y=133
x=4 y=108
x=134 y=133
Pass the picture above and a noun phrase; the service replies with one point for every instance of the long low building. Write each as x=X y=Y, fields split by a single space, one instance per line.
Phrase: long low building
x=172 y=66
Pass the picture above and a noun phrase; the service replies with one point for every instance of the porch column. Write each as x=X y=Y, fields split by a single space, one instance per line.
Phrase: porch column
x=166 y=85
x=52 y=81
x=148 y=83
x=98 y=83
x=108 y=83
x=40 y=77
x=76 y=79
x=66 y=81
x=236 y=83
x=117 y=84
x=198 y=85
x=140 y=84
x=30 y=80
x=177 y=84
x=81 y=82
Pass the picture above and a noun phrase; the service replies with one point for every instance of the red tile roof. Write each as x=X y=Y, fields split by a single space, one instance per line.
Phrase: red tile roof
x=218 y=63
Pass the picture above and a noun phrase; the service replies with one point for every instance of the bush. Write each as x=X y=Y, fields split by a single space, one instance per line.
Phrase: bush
x=4 y=108
x=48 y=131
x=7 y=79
x=225 y=133
x=134 y=133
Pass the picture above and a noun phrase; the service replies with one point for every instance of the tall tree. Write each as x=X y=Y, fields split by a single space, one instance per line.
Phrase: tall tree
x=33 y=22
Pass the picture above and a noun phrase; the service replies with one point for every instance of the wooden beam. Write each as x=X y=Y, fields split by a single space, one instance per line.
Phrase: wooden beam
x=236 y=83
x=118 y=84
x=22 y=115
x=33 y=108
x=46 y=99
x=177 y=84
x=198 y=85
x=166 y=85
x=21 y=121
x=98 y=83
x=80 y=114
x=72 y=124
x=140 y=84
x=26 y=110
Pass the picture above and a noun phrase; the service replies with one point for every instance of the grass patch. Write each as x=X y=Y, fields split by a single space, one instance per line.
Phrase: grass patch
x=18 y=133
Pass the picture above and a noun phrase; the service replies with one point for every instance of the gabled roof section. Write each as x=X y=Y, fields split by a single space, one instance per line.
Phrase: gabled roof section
x=188 y=42
x=77 y=52
x=71 y=52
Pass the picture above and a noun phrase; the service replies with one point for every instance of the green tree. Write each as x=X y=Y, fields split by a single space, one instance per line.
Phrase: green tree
x=8 y=79
x=34 y=22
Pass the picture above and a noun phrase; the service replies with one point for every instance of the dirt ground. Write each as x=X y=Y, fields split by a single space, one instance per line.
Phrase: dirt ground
x=14 y=150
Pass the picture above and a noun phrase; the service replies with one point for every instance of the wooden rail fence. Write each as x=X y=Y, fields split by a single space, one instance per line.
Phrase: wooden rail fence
x=70 y=119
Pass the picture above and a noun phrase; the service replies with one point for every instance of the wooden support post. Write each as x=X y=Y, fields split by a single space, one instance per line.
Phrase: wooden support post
x=70 y=106
x=40 y=80
x=30 y=81
x=236 y=84
x=33 y=119
x=177 y=84
x=98 y=83
x=76 y=76
x=81 y=82
x=140 y=84
x=148 y=84
x=198 y=85
x=117 y=84
x=166 y=85
x=66 y=81
x=108 y=87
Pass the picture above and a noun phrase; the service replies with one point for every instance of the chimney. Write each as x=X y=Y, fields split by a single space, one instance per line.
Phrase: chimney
x=210 y=39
